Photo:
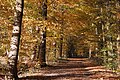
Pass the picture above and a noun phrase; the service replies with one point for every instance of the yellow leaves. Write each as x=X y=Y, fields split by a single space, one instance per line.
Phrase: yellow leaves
x=118 y=15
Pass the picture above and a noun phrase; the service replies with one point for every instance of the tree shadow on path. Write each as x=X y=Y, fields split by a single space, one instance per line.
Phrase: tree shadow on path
x=72 y=69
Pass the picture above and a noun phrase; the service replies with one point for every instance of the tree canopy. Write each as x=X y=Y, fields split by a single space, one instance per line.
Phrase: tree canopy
x=85 y=26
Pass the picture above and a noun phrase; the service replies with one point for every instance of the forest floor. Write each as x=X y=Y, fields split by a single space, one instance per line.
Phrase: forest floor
x=72 y=69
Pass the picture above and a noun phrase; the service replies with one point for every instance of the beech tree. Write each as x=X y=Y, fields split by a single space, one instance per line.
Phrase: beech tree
x=15 y=40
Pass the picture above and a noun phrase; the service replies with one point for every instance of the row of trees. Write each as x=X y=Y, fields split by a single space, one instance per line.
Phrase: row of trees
x=107 y=31
x=65 y=28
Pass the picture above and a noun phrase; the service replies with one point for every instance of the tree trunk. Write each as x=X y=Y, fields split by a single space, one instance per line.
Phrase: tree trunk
x=61 y=35
x=34 y=55
x=15 y=40
x=61 y=46
x=118 y=52
x=42 y=46
x=42 y=50
x=90 y=51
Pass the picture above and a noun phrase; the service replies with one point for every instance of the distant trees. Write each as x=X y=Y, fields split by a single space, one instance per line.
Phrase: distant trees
x=71 y=47
x=15 y=40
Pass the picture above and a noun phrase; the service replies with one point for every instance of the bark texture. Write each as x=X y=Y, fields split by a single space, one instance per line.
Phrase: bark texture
x=15 y=40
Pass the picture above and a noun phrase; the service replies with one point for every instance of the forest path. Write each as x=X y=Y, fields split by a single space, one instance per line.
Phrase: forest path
x=72 y=69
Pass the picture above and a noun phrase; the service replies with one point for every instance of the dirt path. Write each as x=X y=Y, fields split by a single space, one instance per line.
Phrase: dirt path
x=72 y=69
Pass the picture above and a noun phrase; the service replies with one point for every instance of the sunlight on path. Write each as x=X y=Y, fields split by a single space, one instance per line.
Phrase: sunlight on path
x=73 y=69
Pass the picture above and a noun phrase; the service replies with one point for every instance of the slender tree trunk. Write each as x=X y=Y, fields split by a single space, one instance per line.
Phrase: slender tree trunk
x=118 y=45
x=90 y=51
x=61 y=36
x=100 y=32
x=118 y=52
x=15 y=40
x=42 y=47
x=69 y=55
x=42 y=50
x=61 y=46
x=118 y=38
x=54 y=44
x=34 y=55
